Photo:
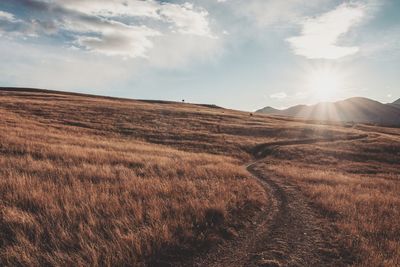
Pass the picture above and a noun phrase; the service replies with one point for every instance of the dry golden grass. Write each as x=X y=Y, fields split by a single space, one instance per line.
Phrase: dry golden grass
x=89 y=200
x=99 y=181
x=357 y=186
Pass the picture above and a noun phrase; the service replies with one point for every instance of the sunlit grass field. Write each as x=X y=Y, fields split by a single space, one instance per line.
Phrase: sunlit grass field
x=99 y=181
x=356 y=185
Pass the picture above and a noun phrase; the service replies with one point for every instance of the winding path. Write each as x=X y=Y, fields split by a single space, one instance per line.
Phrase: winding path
x=289 y=233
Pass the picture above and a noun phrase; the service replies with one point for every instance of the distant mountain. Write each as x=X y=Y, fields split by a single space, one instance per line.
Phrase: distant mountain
x=268 y=110
x=356 y=109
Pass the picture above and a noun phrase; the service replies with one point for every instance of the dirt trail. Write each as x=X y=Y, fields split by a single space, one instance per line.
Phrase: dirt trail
x=289 y=233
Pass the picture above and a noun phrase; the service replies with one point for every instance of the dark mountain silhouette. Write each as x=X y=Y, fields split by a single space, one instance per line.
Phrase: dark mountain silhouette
x=356 y=109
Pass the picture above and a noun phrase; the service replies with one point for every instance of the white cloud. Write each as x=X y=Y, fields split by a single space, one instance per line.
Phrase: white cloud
x=7 y=16
x=111 y=38
x=131 y=41
x=124 y=28
x=114 y=8
x=280 y=95
x=123 y=39
x=184 y=18
x=319 y=35
x=117 y=38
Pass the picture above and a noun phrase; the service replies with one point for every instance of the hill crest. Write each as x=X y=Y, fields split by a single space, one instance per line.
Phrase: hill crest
x=355 y=109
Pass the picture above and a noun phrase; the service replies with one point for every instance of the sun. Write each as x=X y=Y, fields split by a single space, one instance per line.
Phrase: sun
x=324 y=84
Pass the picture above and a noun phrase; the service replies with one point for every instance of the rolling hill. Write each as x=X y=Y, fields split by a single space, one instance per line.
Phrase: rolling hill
x=356 y=109
x=99 y=181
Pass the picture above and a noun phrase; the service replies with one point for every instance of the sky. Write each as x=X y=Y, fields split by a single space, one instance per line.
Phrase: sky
x=240 y=54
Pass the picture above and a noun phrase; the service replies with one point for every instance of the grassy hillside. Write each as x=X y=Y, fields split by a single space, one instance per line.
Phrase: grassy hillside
x=88 y=180
x=99 y=181
x=356 y=186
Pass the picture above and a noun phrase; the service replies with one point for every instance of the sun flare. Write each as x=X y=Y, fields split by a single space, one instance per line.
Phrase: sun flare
x=324 y=84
